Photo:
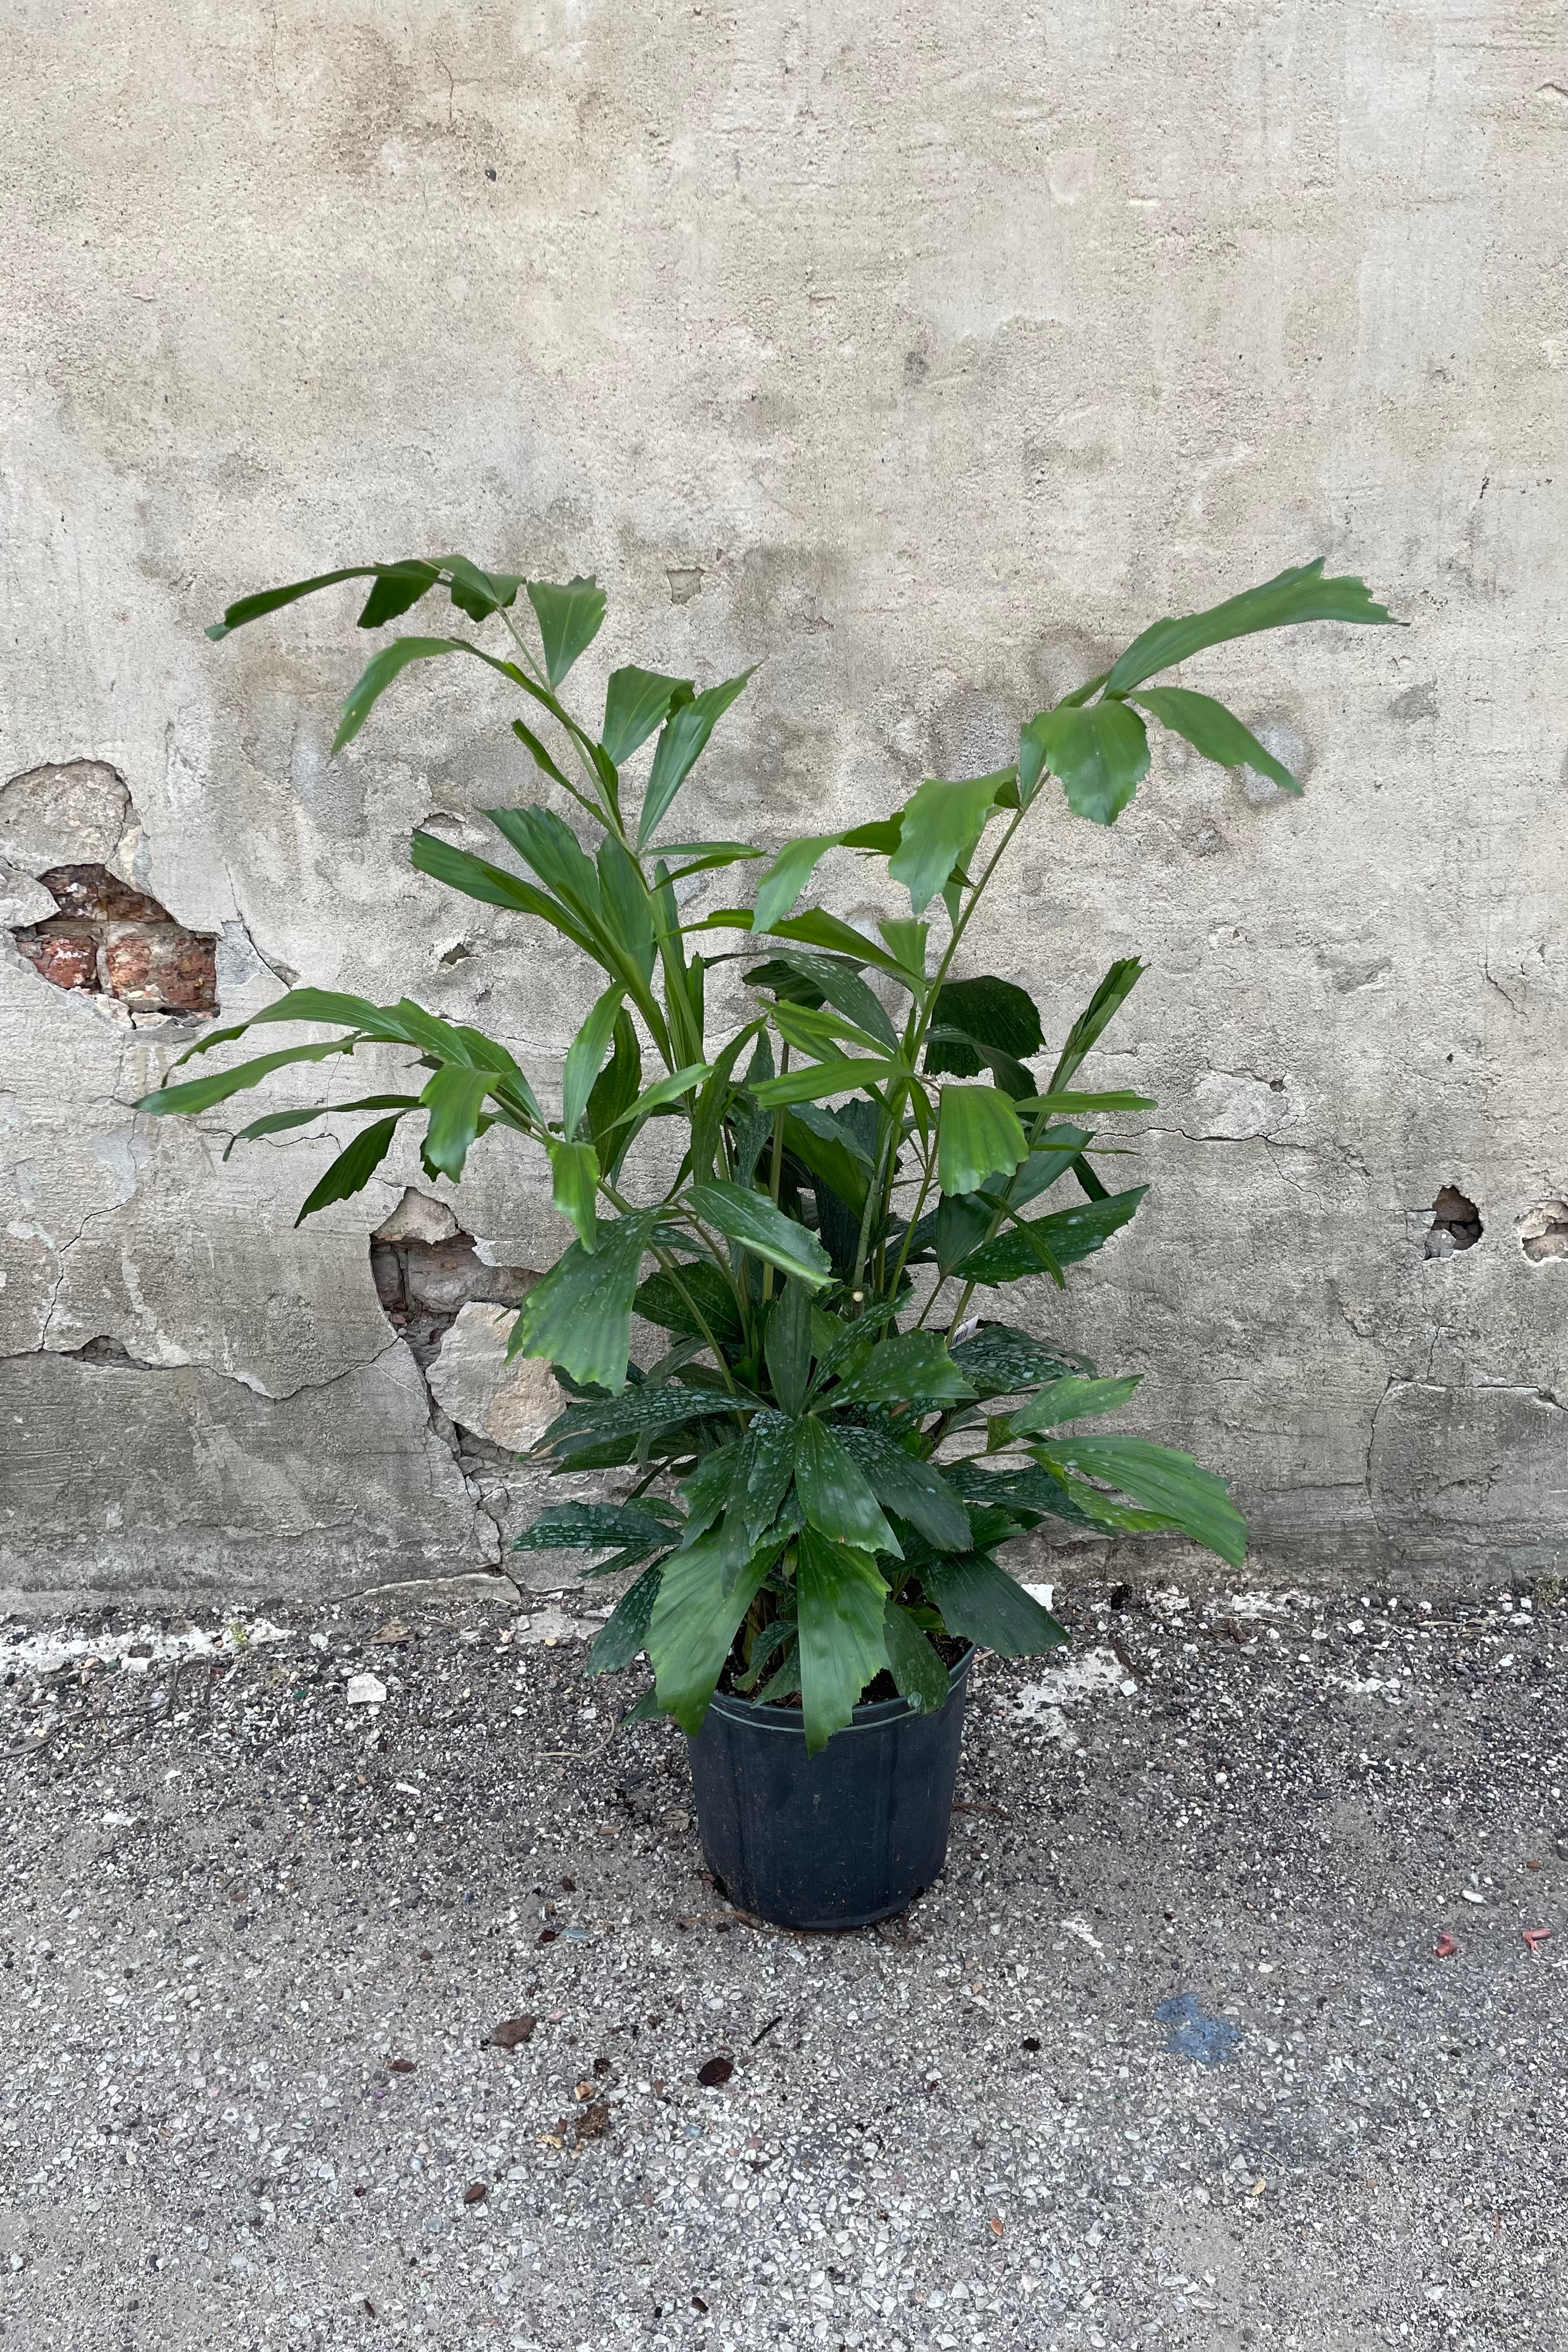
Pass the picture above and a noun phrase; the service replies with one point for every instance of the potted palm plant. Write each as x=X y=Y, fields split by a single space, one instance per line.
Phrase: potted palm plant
x=828 y=1454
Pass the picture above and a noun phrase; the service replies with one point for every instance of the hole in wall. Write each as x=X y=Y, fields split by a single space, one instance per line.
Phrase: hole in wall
x=1456 y=1224
x=108 y=939
x=101 y=1350
x=425 y=1270
x=1543 y=1233
x=440 y=1297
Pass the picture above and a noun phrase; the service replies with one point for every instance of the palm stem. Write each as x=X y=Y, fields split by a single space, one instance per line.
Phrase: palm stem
x=601 y=807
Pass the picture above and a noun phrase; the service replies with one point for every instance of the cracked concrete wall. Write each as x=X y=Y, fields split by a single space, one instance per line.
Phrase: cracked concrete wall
x=923 y=356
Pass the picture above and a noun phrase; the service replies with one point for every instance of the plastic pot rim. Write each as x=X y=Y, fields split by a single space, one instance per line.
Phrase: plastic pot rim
x=870 y=1715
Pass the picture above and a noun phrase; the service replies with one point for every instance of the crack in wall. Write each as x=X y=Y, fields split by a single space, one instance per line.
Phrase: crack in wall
x=1481 y=1483
x=453 y=1438
x=1332 y=1147
x=426 y=1270
x=112 y=1358
x=1547 y=1397
x=184 y=1360
x=102 y=1347
x=1439 y=1333
x=1392 y=1382
x=62 y=1255
x=1493 y=982
x=280 y=971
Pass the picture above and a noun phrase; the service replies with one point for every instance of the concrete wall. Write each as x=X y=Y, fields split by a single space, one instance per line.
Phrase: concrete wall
x=922 y=353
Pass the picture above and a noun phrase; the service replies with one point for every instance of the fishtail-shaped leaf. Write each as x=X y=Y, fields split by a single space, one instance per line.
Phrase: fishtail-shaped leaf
x=1072 y=1397
x=1159 y=1479
x=978 y=1135
x=812 y=1081
x=539 y=756
x=1298 y=595
x=824 y=1150
x=912 y=1366
x=201 y=1093
x=619 y=1641
x=352 y=1169
x=272 y=600
x=818 y=1031
x=675 y=1300
x=580 y=1315
x=596 y=1527
x=455 y=1099
x=279 y=1122
x=547 y=843
x=378 y=1022
x=915 y=1490
x=708 y=1122
x=1055 y=1104
x=574 y=1187
x=681 y=744
x=788 y=874
x=1096 y=1017
x=1215 y=732
x=636 y=702
x=763 y=1472
x=693 y=1623
x=840 y=1604
x=493 y=885
x=645 y=1406
x=397 y=590
x=919 y=1674
x=1065 y=1237
x=615 y=1091
x=1100 y=752
x=389 y=664
x=1001 y=1361
x=585 y=1058
x=834 y=1494
x=835 y=978
x=476 y=593
x=981 y=1602
x=941 y=824
x=569 y=617
x=752 y=1220
x=628 y=911
x=1025 y=1495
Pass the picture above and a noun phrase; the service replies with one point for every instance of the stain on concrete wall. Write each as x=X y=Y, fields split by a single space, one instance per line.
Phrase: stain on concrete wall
x=920 y=356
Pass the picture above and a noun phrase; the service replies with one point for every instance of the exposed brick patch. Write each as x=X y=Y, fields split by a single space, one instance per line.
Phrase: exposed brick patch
x=159 y=968
x=108 y=940
x=92 y=895
x=66 y=953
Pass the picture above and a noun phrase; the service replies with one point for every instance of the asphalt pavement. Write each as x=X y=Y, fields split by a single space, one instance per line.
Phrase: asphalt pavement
x=335 y=2019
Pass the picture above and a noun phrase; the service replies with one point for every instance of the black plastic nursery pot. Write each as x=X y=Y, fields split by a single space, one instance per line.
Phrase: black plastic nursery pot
x=835 y=1840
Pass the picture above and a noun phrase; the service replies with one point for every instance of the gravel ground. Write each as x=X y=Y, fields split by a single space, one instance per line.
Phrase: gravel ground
x=1177 y=2053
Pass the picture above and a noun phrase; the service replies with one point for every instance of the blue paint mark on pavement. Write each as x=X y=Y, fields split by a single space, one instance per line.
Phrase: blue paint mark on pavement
x=1192 y=2032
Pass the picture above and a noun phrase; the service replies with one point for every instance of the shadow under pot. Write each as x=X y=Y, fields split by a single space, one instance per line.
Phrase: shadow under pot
x=839 y=1839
